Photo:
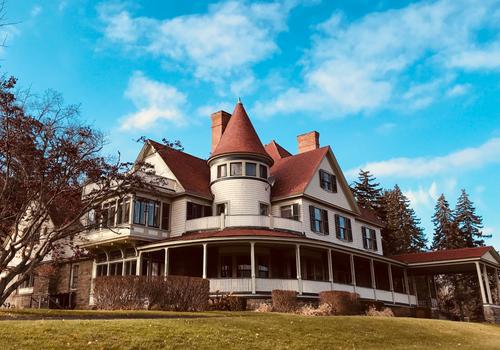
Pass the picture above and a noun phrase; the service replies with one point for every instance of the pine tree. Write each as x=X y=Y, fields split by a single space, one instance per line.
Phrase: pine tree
x=402 y=233
x=468 y=222
x=366 y=191
x=446 y=235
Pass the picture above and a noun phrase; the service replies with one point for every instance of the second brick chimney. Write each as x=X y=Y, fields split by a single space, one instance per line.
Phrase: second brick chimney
x=219 y=123
x=308 y=142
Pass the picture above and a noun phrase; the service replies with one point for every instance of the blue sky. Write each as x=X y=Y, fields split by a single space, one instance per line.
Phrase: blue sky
x=408 y=90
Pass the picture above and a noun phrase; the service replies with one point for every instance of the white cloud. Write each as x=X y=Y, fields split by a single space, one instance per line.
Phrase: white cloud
x=154 y=101
x=458 y=90
x=36 y=10
x=364 y=65
x=423 y=197
x=386 y=128
x=468 y=158
x=485 y=58
x=217 y=45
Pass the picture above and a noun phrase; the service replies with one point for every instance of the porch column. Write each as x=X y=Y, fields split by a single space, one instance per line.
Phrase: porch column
x=204 y=260
x=414 y=282
x=391 y=284
x=353 y=272
x=374 y=284
x=487 y=281
x=92 y=282
x=330 y=268
x=297 y=263
x=107 y=259
x=166 y=263
x=407 y=286
x=498 y=285
x=481 y=286
x=252 y=265
x=139 y=265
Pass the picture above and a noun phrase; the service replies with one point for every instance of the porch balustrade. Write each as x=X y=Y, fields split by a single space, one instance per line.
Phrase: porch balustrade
x=223 y=221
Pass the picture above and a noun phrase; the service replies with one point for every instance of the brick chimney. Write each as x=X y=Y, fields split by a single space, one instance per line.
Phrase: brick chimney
x=308 y=142
x=219 y=123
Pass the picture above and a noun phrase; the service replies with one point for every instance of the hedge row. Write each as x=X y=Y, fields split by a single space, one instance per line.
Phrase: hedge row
x=176 y=293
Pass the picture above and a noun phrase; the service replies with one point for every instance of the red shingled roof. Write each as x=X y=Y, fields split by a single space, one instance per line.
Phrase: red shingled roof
x=193 y=173
x=233 y=232
x=276 y=151
x=294 y=173
x=240 y=136
x=443 y=255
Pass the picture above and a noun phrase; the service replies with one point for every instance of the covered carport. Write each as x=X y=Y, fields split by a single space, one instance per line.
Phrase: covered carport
x=481 y=262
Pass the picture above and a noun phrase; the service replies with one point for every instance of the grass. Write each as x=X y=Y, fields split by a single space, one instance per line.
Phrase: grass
x=225 y=330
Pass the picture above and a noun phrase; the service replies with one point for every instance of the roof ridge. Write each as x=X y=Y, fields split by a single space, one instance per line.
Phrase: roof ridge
x=176 y=150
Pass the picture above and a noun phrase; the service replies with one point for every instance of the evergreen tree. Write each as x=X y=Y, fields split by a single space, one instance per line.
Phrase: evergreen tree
x=366 y=191
x=402 y=233
x=468 y=222
x=446 y=235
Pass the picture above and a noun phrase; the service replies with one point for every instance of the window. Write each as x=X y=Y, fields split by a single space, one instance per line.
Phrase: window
x=111 y=214
x=226 y=266
x=263 y=171
x=221 y=171
x=328 y=181
x=104 y=214
x=146 y=212
x=250 y=169
x=195 y=211
x=290 y=212
x=263 y=209
x=236 y=169
x=319 y=220
x=73 y=284
x=122 y=213
x=29 y=282
x=343 y=228
x=220 y=208
x=165 y=216
x=92 y=219
x=369 y=238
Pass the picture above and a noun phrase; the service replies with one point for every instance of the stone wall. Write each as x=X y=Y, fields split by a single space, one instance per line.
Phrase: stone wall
x=492 y=313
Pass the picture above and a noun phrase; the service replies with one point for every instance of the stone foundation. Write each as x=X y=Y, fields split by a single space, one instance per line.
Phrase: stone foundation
x=492 y=313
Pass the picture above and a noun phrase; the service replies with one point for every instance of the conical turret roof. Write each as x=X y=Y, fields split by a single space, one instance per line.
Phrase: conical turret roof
x=240 y=136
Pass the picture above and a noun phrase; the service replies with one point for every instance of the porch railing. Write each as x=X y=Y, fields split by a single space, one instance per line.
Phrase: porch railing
x=223 y=221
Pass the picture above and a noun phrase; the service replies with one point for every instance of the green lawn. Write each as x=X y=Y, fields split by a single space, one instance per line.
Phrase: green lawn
x=224 y=330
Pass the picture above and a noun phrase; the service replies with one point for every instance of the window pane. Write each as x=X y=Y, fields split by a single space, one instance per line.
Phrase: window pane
x=263 y=209
x=139 y=211
x=250 y=169
x=74 y=277
x=222 y=171
x=221 y=208
x=263 y=171
x=236 y=169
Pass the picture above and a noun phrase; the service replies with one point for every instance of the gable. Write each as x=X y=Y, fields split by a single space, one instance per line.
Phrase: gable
x=491 y=258
x=343 y=197
x=150 y=156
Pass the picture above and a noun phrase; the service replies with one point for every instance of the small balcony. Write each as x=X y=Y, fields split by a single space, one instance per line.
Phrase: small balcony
x=224 y=221
x=122 y=232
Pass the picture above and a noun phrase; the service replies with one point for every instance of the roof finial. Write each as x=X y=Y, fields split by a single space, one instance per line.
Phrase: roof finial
x=239 y=100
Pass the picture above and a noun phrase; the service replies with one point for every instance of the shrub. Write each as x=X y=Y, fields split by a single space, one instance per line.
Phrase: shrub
x=310 y=310
x=228 y=302
x=237 y=303
x=284 y=300
x=264 y=307
x=341 y=303
x=177 y=293
x=386 y=312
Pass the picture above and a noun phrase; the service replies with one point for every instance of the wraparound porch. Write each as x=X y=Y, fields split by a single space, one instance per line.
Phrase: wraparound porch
x=257 y=267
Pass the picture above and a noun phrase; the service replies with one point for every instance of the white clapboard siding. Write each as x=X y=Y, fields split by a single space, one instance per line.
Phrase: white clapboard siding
x=242 y=195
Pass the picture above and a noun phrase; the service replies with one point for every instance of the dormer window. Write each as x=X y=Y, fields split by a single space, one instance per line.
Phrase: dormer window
x=221 y=171
x=328 y=181
x=236 y=169
x=263 y=171
x=250 y=169
x=369 y=238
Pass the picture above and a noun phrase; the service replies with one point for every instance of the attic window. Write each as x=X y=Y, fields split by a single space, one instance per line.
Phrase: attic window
x=328 y=181
x=221 y=171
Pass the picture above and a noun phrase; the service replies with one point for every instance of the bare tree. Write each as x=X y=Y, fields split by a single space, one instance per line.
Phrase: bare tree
x=47 y=158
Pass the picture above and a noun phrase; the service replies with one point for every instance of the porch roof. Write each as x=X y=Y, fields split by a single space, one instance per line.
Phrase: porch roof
x=450 y=260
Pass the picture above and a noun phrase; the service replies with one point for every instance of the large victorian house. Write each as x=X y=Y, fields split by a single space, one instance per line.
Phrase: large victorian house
x=254 y=217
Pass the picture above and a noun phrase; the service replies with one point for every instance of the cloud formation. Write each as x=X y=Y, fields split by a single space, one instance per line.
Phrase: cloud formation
x=465 y=159
x=224 y=42
x=154 y=101
x=364 y=65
